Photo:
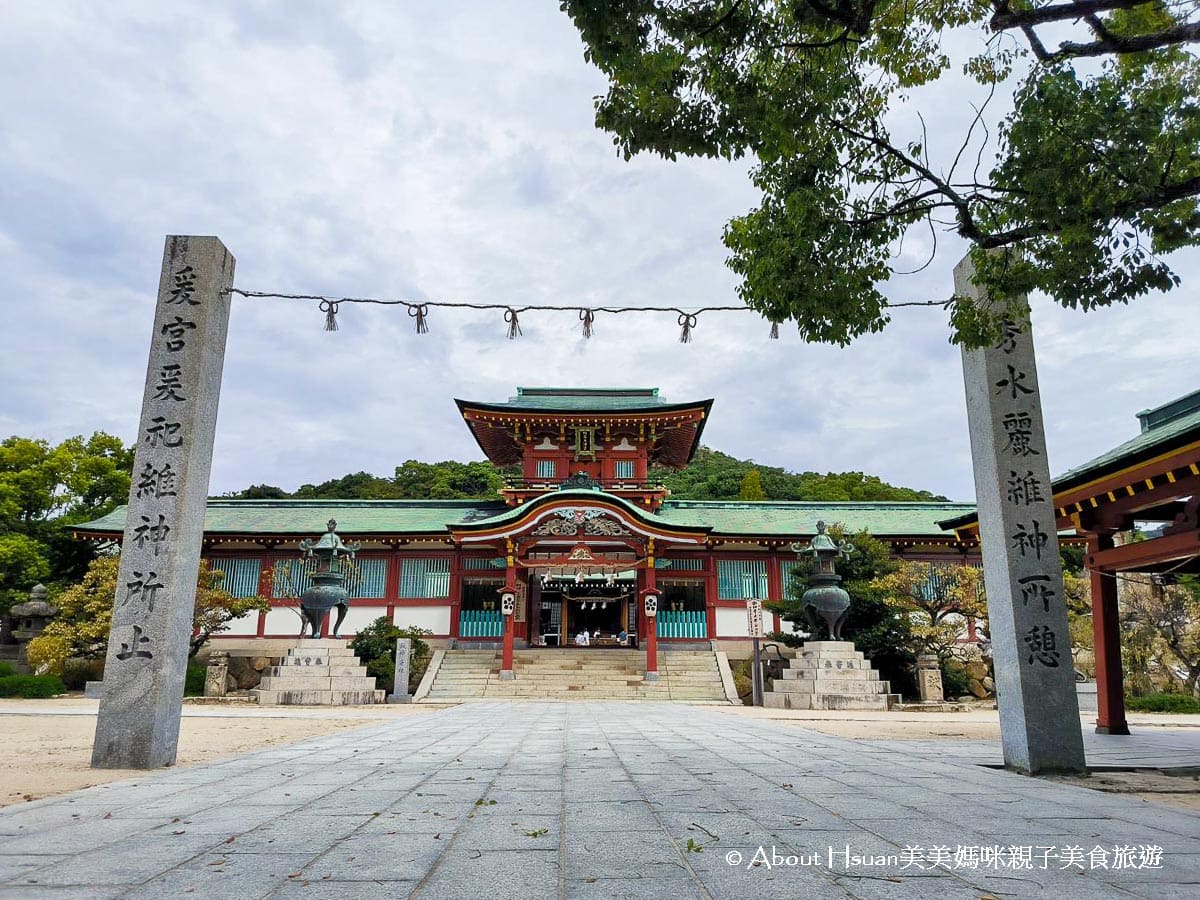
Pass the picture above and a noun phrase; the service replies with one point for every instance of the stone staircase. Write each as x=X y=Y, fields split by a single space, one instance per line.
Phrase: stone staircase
x=829 y=675
x=571 y=674
x=317 y=672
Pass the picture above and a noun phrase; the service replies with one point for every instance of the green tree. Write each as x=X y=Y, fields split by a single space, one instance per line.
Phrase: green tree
x=751 y=488
x=85 y=615
x=1093 y=176
x=44 y=487
x=937 y=601
x=712 y=475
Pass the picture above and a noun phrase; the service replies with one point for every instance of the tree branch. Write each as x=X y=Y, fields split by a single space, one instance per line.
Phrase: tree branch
x=1005 y=18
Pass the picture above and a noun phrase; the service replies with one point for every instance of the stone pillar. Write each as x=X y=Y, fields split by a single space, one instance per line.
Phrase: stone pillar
x=1106 y=634
x=929 y=679
x=216 y=676
x=1027 y=614
x=400 y=692
x=138 y=724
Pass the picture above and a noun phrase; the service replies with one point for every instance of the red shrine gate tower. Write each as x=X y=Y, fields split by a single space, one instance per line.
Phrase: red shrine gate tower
x=581 y=539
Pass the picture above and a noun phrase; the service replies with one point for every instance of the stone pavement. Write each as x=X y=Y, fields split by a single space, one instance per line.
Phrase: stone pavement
x=601 y=800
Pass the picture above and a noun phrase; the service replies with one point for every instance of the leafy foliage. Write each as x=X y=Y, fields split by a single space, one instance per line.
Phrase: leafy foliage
x=31 y=687
x=85 y=615
x=44 y=487
x=1094 y=173
x=752 y=488
x=936 y=600
x=376 y=646
x=712 y=475
x=1164 y=703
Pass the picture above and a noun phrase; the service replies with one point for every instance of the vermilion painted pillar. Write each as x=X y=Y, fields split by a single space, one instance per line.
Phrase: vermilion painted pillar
x=1106 y=631
x=510 y=584
x=651 y=623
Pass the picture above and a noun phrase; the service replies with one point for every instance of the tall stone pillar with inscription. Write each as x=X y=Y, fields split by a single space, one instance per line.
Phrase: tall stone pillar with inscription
x=1027 y=614
x=138 y=725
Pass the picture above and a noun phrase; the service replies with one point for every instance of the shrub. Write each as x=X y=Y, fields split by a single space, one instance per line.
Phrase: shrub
x=31 y=686
x=6 y=670
x=955 y=682
x=1167 y=703
x=193 y=686
x=375 y=645
x=76 y=673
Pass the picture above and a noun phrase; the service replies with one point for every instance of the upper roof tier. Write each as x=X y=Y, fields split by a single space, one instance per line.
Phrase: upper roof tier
x=669 y=431
x=595 y=400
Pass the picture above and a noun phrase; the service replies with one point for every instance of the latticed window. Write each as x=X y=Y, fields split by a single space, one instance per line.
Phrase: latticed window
x=547 y=468
x=624 y=469
x=425 y=578
x=372 y=578
x=241 y=575
x=742 y=579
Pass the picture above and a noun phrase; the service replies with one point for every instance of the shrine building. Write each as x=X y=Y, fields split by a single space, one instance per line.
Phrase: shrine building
x=577 y=539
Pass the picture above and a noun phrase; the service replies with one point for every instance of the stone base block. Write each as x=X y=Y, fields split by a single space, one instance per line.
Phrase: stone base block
x=93 y=690
x=316 y=698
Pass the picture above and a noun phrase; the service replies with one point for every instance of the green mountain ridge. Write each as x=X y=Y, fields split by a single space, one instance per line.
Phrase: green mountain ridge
x=711 y=475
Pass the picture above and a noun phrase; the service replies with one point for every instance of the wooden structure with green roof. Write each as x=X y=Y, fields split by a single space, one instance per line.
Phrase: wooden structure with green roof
x=579 y=537
x=1150 y=482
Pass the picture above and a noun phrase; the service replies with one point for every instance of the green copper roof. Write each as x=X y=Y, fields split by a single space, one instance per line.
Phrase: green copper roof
x=786 y=518
x=583 y=400
x=307 y=518
x=1164 y=429
x=582 y=496
x=1158 y=438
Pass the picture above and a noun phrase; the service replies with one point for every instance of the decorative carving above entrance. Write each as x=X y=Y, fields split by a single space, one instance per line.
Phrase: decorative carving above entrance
x=575 y=520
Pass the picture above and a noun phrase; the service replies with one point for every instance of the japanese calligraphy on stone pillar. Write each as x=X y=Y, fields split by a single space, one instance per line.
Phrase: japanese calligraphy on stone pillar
x=1027 y=614
x=138 y=724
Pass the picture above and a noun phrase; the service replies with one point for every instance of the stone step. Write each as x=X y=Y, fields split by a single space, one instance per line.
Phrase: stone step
x=334 y=671
x=318 y=683
x=829 y=701
x=831 y=686
x=823 y=674
x=826 y=663
x=317 y=698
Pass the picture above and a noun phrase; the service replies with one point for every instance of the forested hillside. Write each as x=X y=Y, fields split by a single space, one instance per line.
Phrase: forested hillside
x=712 y=475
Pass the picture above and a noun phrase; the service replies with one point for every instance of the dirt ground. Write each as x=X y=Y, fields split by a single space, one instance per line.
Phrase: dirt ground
x=46 y=745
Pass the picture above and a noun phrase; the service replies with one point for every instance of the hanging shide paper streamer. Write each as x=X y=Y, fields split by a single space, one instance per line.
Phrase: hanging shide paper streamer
x=330 y=308
x=688 y=322
x=419 y=312
x=514 y=327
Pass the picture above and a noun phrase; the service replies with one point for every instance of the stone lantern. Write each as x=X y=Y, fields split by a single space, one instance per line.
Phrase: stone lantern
x=824 y=599
x=31 y=618
x=328 y=589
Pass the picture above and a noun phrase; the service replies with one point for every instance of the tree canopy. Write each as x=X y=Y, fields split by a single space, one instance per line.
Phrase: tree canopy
x=1089 y=178
x=44 y=486
x=711 y=475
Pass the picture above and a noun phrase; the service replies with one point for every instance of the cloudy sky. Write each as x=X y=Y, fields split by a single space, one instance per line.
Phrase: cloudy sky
x=446 y=151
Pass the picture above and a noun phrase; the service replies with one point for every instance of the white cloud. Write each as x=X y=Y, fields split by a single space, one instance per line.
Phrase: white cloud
x=445 y=151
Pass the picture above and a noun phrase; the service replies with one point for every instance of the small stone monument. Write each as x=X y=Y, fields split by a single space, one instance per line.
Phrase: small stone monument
x=317 y=673
x=400 y=692
x=216 y=676
x=929 y=679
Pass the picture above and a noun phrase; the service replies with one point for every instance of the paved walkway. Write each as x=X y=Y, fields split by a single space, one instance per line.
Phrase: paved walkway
x=502 y=800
